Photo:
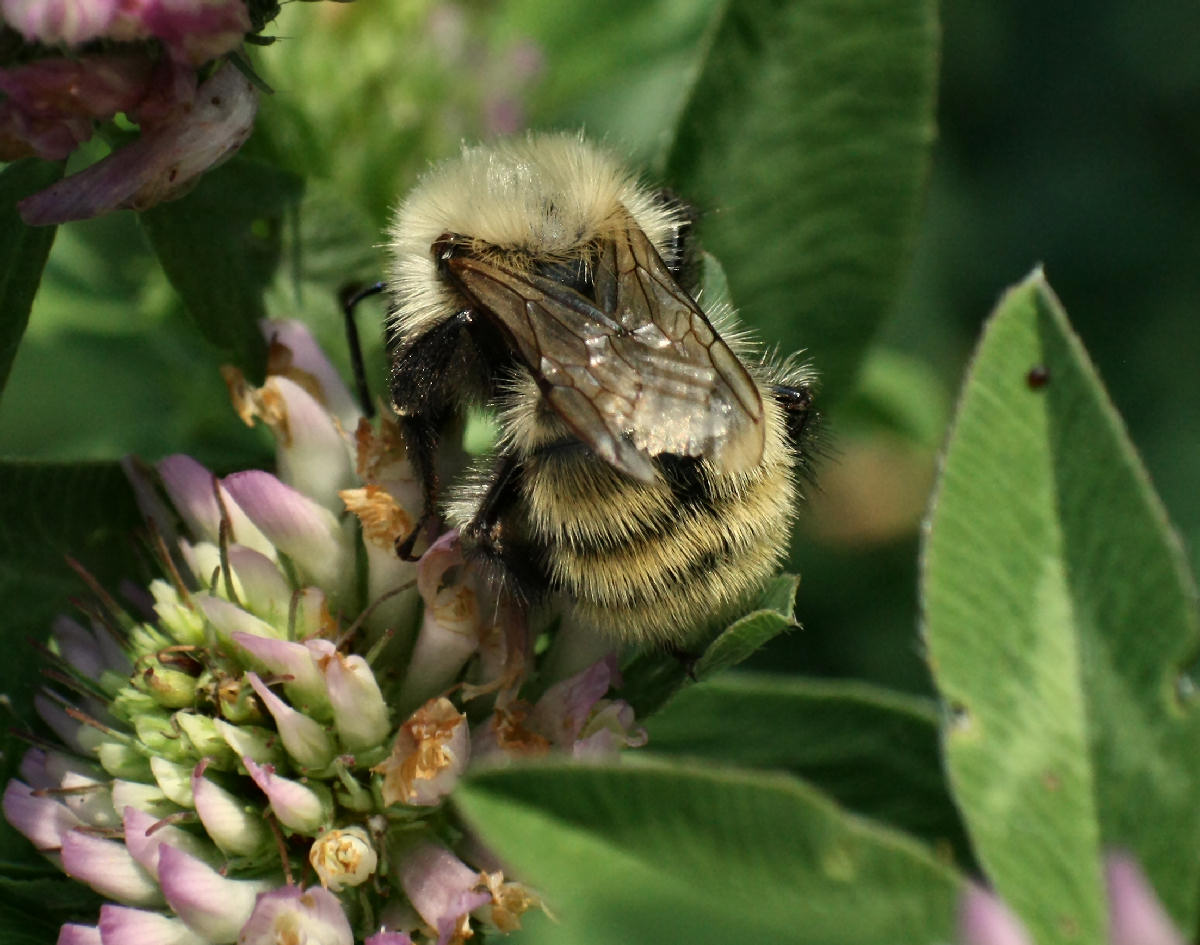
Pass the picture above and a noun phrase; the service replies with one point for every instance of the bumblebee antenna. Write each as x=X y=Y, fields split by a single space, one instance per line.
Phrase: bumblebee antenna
x=351 y=296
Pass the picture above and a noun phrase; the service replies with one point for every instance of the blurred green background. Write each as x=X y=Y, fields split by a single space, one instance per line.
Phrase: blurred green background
x=1067 y=136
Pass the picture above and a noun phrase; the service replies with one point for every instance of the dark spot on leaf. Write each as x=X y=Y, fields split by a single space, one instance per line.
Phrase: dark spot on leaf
x=1038 y=377
x=216 y=100
x=1051 y=781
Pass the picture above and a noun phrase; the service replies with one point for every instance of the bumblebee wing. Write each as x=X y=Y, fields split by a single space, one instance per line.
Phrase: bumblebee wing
x=638 y=373
x=696 y=397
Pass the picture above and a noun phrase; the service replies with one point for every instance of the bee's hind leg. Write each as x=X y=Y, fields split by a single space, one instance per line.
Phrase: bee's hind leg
x=493 y=538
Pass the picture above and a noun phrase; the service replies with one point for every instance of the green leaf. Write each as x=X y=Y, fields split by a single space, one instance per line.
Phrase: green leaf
x=652 y=852
x=46 y=513
x=653 y=677
x=741 y=638
x=220 y=246
x=806 y=140
x=875 y=751
x=23 y=252
x=1059 y=614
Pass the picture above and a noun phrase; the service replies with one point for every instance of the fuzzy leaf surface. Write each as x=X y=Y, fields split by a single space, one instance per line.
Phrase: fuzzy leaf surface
x=649 y=852
x=220 y=246
x=1059 y=614
x=875 y=751
x=805 y=143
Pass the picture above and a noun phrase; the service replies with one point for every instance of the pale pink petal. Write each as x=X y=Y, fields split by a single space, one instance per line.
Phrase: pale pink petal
x=298 y=808
x=441 y=887
x=72 y=934
x=312 y=452
x=563 y=710
x=983 y=919
x=193 y=491
x=108 y=868
x=304 y=739
x=160 y=164
x=42 y=819
x=305 y=531
x=1136 y=917
x=295 y=664
x=296 y=354
x=145 y=835
x=292 y=914
x=123 y=926
x=207 y=902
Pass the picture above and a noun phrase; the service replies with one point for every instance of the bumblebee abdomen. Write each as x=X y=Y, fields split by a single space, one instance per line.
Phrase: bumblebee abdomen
x=662 y=560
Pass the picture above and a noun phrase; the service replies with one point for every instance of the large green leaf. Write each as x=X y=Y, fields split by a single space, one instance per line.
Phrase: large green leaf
x=805 y=141
x=23 y=252
x=875 y=751
x=220 y=247
x=654 y=853
x=1059 y=616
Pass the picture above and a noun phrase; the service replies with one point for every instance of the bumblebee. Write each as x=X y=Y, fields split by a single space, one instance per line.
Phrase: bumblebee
x=646 y=475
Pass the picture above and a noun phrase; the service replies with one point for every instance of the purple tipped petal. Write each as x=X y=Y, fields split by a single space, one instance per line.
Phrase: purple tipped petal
x=984 y=920
x=207 y=902
x=441 y=887
x=108 y=868
x=234 y=828
x=1136 y=917
x=297 y=807
x=562 y=712
x=303 y=738
x=300 y=915
x=145 y=836
x=191 y=489
x=306 y=532
x=306 y=687
x=123 y=926
x=162 y=162
x=90 y=651
x=72 y=934
x=296 y=354
x=43 y=820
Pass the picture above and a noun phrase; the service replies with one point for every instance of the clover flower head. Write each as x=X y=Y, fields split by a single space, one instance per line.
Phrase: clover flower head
x=261 y=748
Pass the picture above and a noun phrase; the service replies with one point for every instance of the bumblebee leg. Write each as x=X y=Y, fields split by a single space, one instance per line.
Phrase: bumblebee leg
x=424 y=397
x=351 y=295
x=489 y=536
